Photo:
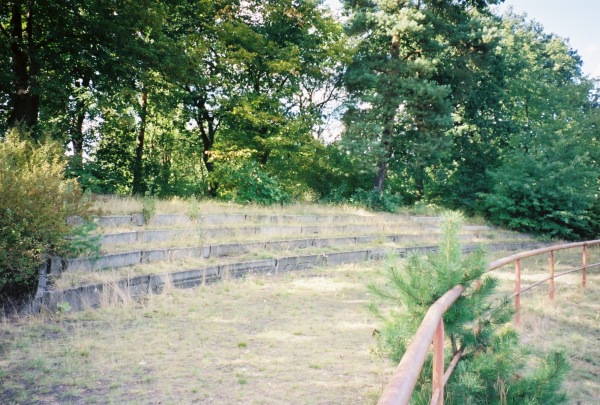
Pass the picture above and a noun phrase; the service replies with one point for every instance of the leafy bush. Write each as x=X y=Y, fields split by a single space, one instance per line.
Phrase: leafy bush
x=544 y=193
x=372 y=200
x=243 y=181
x=148 y=208
x=35 y=201
x=493 y=368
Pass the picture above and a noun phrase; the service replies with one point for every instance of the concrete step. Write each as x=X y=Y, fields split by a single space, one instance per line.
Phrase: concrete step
x=184 y=220
x=149 y=255
x=92 y=295
x=195 y=235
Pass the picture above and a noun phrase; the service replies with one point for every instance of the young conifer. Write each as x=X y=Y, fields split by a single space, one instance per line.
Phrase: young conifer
x=493 y=369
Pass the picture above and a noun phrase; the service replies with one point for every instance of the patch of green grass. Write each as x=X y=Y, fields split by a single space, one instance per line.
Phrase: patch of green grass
x=241 y=379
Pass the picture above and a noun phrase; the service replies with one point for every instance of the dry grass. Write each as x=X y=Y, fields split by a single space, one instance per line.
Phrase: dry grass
x=569 y=323
x=116 y=205
x=304 y=337
x=242 y=235
x=71 y=278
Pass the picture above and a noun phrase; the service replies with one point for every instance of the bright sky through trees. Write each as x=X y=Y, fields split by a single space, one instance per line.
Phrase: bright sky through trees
x=574 y=19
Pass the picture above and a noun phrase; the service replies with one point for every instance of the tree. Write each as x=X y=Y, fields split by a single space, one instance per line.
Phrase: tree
x=553 y=138
x=493 y=368
x=398 y=82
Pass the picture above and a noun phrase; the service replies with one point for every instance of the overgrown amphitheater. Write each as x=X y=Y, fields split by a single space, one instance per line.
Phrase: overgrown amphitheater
x=299 y=202
x=216 y=303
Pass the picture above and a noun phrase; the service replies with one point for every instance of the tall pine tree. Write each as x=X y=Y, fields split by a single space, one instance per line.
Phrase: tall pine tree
x=401 y=83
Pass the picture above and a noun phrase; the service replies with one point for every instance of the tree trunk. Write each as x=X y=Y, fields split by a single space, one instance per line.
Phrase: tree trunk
x=138 y=180
x=384 y=162
x=388 y=131
x=25 y=103
x=77 y=138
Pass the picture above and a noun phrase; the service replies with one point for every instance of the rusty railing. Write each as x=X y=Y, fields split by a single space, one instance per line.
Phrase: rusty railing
x=401 y=385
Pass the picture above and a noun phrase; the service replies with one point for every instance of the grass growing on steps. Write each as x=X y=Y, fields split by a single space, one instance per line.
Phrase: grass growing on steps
x=117 y=205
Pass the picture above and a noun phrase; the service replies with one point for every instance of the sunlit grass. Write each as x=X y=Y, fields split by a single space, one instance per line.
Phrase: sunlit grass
x=301 y=337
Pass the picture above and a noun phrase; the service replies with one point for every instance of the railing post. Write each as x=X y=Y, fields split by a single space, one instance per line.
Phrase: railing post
x=552 y=274
x=438 y=365
x=583 y=268
x=518 y=292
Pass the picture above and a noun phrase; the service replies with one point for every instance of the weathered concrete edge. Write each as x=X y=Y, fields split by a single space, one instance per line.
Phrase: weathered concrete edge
x=161 y=235
x=109 y=221
x=94 y=295
x=123 y=259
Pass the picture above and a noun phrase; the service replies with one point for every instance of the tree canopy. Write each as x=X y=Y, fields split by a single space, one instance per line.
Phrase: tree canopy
x=431 y=101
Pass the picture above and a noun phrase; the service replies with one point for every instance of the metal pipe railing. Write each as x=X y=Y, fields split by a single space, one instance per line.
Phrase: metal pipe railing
x=401 y=385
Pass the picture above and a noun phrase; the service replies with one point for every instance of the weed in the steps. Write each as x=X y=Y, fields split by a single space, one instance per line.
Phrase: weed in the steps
x=194 y=209
x=148 y=208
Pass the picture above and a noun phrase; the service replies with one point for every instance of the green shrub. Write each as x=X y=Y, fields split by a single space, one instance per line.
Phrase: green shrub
x=372 y=200
x=148 y=208
x=194 y=208
x=546 y=193
x=35 y=201
x=243 y=181
x=82 y=241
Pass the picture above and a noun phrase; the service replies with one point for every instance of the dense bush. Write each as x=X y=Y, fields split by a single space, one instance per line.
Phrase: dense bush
x=542 y=194
x=243 y=181
x=373 y=200
x=35 y=201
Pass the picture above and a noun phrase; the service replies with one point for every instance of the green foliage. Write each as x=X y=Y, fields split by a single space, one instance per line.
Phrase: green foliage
x=493 y=369
x=541 y=194
x=442 y=100
x=194 y=210
x=545 y=180
x=35 y=202
x=499 y=374
x=243 y=181
x=62 y=308
x=424 y=280
x=148 y=208
x=413 y=65
x=375 y=201
x=82 y=241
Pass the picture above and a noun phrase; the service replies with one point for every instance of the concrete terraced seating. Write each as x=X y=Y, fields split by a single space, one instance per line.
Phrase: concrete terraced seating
x=175 y=249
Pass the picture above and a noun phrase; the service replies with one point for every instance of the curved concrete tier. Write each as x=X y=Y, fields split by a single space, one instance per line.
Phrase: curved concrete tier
x=165 y=235
x=92 y=295
x=112 y=221
x=130 y=258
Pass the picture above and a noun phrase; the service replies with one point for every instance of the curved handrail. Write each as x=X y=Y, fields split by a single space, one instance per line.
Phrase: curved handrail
x=400 y=387
x=523 y=255
x=402 y=384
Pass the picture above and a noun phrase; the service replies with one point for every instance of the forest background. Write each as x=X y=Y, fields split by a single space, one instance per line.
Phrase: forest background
x=389 y=103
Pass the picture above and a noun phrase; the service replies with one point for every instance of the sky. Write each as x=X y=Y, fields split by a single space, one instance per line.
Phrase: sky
x=577 y=20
